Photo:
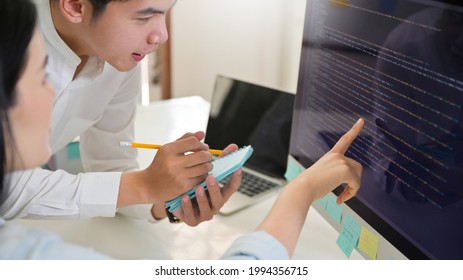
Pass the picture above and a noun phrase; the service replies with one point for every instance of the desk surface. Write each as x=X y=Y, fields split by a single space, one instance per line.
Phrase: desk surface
x=126 y=238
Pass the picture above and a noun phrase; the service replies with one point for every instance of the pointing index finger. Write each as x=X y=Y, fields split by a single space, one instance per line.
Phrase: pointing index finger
x=344 y=142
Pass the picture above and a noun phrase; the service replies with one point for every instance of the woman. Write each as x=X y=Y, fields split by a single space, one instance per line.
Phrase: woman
x=26 y=102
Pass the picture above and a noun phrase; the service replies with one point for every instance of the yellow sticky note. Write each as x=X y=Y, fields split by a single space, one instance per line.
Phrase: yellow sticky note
x=368 y=243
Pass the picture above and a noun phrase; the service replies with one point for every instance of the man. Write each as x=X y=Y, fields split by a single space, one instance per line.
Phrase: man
x=94 y=47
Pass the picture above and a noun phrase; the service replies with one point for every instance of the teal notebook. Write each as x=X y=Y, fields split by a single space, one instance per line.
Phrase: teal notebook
x=221 y=168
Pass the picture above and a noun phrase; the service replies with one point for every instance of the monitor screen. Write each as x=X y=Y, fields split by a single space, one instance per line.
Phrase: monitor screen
x=398 y=65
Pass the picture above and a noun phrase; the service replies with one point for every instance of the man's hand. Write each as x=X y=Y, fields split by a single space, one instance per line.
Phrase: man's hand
x=208 y=203
x=177 y=167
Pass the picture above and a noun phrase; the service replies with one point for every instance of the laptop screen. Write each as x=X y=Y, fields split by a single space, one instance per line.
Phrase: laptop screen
x=249 y=114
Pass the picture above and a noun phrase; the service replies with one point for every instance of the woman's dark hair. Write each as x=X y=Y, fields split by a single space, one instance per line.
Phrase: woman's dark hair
x=17 y=23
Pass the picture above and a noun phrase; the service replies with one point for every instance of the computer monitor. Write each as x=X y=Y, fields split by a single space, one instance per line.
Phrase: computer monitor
x=398 y=65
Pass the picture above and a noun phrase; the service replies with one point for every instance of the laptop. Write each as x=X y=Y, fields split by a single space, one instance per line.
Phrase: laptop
x=249 y=114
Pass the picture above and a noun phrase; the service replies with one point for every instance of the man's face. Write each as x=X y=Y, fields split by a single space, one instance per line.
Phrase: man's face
x=126 y=31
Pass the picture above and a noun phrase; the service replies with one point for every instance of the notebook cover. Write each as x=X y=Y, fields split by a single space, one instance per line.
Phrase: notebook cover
x=222 y=167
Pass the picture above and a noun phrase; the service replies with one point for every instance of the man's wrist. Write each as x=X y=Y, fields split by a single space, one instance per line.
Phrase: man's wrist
x=158 y=212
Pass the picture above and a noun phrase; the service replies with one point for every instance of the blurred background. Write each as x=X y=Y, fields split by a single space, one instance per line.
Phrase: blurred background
x=253 y=40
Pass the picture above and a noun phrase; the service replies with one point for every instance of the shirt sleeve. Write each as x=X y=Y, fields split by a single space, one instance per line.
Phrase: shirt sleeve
x=20 y=243
x=258 y=245
x=39 y=193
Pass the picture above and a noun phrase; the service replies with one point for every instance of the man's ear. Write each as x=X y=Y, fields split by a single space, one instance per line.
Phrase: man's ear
x=73 y=10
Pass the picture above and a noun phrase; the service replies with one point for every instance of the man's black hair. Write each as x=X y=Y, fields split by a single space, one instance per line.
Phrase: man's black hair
x=99 y=6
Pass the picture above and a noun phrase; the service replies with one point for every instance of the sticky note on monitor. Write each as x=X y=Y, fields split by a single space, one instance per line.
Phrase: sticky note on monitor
x=368 y=243
x=333 y=209
x=349 y=235
x=322 y=202
x=293 y=170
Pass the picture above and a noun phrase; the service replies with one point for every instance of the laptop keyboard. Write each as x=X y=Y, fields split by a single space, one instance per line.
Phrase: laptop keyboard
x=251 y=184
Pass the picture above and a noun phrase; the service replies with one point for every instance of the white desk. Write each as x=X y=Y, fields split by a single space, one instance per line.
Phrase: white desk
x=125 y=238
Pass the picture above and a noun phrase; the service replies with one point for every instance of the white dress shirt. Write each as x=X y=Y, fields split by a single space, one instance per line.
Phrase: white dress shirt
x=98 y=106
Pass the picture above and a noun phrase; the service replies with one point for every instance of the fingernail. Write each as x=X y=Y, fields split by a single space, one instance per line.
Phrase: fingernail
x=211 y=180
x=200 y=192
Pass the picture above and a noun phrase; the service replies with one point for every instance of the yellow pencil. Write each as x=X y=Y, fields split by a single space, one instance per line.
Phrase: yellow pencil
x=155 y=146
